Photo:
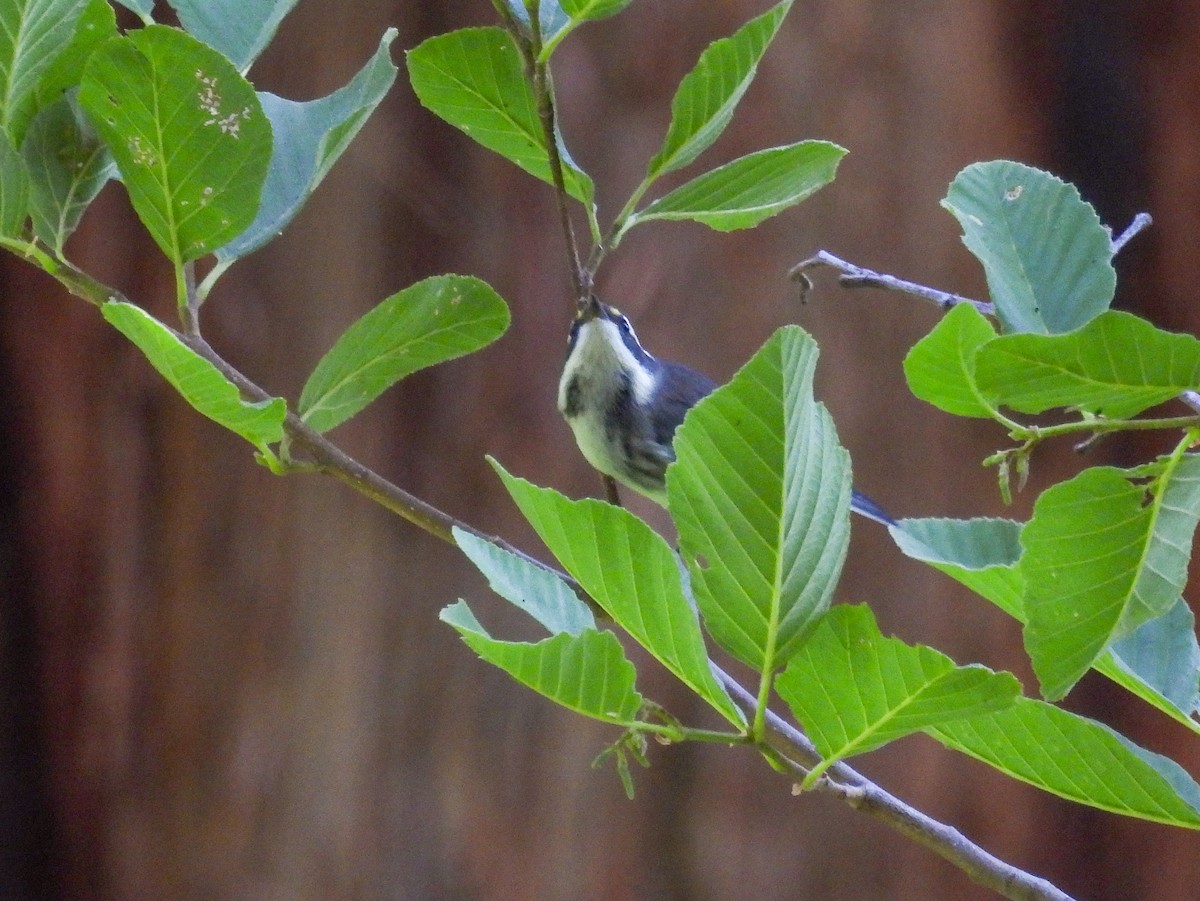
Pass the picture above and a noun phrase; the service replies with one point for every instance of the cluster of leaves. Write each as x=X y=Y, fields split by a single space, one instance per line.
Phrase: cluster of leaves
x=760 y=492
x=761 y=487
x=214 y=169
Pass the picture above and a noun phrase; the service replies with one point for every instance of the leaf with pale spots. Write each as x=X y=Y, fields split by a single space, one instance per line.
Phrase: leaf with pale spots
x=435 y=320
x=188 y=135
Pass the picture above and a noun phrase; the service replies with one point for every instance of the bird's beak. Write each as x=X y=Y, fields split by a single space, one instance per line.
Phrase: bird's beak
x=589 y=309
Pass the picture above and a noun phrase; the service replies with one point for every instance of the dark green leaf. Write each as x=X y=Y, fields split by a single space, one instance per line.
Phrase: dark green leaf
x=68 y=165
x=188 y=135
x=32 y=35
x=435 y=320
x=14 y=191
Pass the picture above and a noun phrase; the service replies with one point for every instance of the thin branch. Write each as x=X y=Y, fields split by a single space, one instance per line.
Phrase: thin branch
x=781 y=740
x=854 y=276
x=537 y=73
x=846 y=783
x=1140 y=223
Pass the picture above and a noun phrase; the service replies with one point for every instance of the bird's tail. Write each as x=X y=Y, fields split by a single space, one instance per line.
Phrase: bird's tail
x=864 y=506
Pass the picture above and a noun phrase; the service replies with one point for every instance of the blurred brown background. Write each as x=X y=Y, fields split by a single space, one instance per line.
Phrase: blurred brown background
x=222 y=684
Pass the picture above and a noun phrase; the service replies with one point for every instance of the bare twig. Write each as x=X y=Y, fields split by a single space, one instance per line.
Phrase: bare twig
x=854 y=276
x=1140 y=223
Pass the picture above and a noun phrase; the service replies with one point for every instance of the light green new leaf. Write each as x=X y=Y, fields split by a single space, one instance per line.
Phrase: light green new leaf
x=1158 y=662
x=1099 y=561
x=940 y=368
x=1118 y=364
x=540 y=593
x=628 y=569
x=240 y=29
x=708 y=95
x=438 y=319
x=748 y=190
x=1047 y=258
x=587 y=672
x=68 y=165
x=1077 y=759
x=309 y=138
x=14 y=191
x=32 y=35
x=187 y=132
x=199 y=382
x=761 y=496
x=855 y=690
x=473 y=78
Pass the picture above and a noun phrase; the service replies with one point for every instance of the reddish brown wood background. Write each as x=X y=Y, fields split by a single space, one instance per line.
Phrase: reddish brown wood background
x=222 y=684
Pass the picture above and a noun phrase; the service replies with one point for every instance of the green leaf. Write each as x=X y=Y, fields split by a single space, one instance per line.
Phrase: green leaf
x=309 y=138
x=201 y=384
x=1077 y=759
x=855 y=690
x=590 y=10
x=14 y=191
x=473 y=78
x=541 y=594
x=1099 y=561
x=940 y=368
x=748 y=190
x=188 y=135
x=1118 y=364
x=761 y=495
x=980 y=553
x=587 y=673
x=32 y=35
x=240 y=29
x=1047 y=258
x=628 y=569
x=68 y=165
x=708 y=95
x=97 y=24
x=1162 y=655
x=435 y=320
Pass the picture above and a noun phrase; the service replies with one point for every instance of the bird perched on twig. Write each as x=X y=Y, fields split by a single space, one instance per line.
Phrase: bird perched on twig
x=624 y=405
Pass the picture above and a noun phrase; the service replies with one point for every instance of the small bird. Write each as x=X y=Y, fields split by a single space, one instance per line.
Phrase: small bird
x=624 y=404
